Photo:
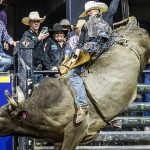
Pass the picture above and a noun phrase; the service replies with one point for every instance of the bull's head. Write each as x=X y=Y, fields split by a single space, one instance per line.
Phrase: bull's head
x=10 y=114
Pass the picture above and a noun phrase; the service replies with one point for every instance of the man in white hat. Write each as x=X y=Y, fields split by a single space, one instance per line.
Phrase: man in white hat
x=95 y=30
x=33 y=21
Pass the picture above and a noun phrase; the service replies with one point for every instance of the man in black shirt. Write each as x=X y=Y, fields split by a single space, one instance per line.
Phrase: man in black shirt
x=56 y=48
x=34 y=21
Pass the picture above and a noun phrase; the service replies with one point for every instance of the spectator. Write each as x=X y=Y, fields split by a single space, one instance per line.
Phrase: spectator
x=34 y=20
x=40 y=58
x=55 y=47
x=67 y=26
x=5 y=39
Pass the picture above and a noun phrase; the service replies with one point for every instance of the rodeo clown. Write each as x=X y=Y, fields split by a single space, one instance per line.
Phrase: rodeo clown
x=96 y=28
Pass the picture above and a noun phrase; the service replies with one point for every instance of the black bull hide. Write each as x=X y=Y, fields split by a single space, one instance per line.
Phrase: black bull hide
x=49 y=113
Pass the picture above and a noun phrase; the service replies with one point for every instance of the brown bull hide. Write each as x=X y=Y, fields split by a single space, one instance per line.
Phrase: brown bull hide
x=49 y=113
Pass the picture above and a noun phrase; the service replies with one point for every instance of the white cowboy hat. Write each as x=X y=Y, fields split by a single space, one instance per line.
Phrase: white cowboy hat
x=94 y=5
x=34 y=15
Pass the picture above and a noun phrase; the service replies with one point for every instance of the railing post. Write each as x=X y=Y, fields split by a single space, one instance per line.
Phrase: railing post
x=25 y=77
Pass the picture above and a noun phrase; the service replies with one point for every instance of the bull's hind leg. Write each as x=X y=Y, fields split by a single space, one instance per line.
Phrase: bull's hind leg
x=73 y=135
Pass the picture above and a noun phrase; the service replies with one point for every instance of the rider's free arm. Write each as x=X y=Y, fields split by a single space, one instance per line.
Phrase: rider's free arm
x=109 y=15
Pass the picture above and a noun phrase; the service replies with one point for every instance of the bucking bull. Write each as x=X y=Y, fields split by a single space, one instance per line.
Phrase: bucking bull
x=50 y=111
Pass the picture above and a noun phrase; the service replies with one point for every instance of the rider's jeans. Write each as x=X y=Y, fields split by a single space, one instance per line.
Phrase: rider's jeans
x=77 y=82
x=5 y=61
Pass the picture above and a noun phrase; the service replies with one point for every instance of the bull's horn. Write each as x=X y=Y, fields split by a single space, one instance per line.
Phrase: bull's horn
x=10 y=99
x=20 y=94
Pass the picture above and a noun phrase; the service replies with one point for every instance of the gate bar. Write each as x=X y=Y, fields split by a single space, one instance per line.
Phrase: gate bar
x=123 y=136
x=137 y=106
x=143 y=88
x=133 y=121
x=136 y=147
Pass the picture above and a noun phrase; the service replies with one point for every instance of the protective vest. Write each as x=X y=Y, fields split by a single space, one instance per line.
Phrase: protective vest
x=97 y=27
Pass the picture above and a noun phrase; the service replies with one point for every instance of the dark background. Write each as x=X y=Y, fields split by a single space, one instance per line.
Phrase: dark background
x=138 y=8
x=55 y=10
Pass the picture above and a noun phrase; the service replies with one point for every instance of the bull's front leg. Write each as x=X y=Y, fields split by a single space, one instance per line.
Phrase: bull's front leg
x=74 y=134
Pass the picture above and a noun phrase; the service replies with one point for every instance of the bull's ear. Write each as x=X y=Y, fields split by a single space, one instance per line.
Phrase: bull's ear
x=10 y=99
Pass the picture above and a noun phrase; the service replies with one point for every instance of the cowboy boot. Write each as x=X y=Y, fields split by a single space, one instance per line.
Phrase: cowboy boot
x=81 y=113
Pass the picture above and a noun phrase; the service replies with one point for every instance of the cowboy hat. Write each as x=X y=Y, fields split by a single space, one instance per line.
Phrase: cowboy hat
x=57 y=27
x=94 y=5
x=66 y=23
x=34 y=15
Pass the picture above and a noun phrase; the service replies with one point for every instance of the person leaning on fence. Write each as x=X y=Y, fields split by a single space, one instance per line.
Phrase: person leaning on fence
x=95 y=29
x=40 y=57
x=5 y=39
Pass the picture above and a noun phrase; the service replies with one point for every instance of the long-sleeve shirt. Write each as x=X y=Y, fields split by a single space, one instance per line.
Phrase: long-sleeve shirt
x=32 y=35
x=109 y=15
x=40 y=57
x=55 y=52
x=4 y=36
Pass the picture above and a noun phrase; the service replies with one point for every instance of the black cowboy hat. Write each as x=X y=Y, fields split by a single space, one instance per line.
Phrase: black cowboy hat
x=57 y=27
